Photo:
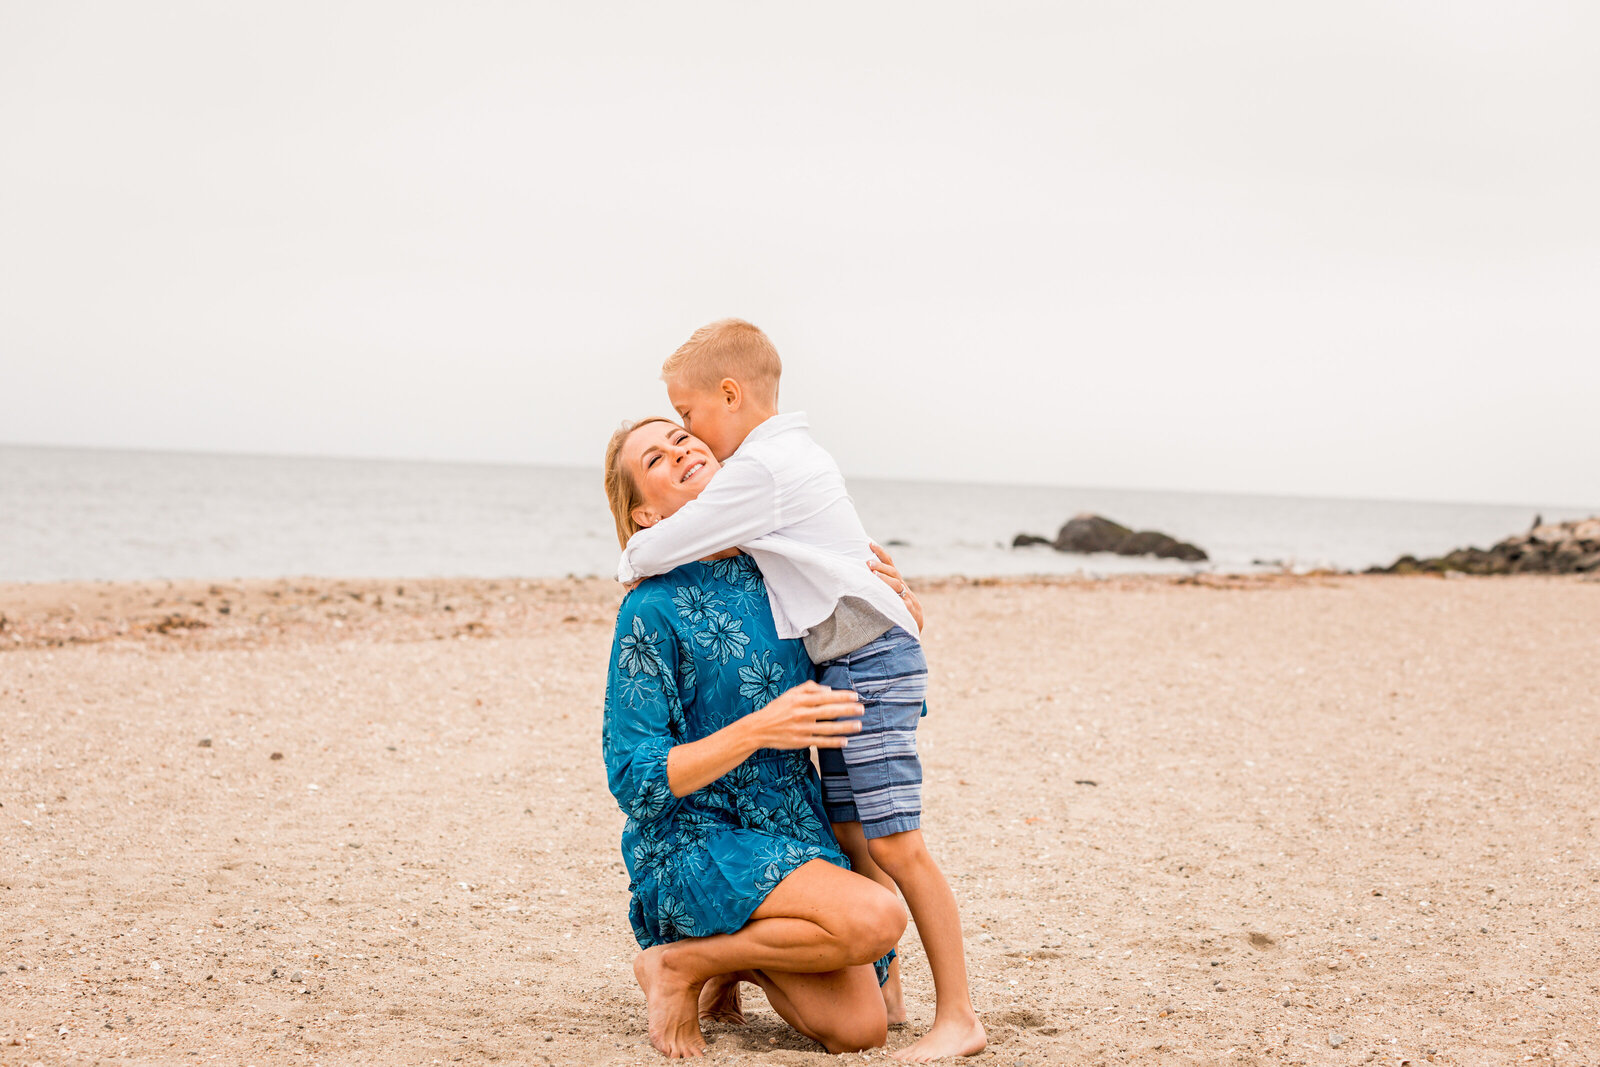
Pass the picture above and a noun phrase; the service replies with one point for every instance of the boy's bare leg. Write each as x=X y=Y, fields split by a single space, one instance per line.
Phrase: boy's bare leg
x=956 y=1030
x=854 y=843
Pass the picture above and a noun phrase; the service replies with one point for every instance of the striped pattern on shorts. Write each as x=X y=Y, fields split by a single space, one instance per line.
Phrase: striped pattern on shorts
x=876 y=779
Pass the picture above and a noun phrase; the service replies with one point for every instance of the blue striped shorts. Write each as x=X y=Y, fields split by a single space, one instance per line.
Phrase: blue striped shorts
x=876 y=779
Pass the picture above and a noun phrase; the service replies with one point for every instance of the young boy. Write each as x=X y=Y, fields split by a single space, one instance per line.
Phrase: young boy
x=780 y=497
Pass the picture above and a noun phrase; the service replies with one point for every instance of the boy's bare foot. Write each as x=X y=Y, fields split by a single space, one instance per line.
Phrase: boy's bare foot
x=949 y=1037
x=719 y=1001
x=672 y=1001
x=894 y=998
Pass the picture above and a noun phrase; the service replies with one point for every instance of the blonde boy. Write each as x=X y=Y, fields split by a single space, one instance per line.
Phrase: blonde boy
x=780 y=497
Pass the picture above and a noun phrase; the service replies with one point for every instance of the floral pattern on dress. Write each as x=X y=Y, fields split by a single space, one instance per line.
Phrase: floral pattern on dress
x=724 y=637
x=694 y=602
x=682 y=668
x=761 y=681
x=638 y=652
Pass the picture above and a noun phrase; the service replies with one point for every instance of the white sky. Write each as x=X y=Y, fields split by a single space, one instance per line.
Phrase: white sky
x=1341 y=248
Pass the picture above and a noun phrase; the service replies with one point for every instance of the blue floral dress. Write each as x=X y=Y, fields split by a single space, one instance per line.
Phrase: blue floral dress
x=695 y=650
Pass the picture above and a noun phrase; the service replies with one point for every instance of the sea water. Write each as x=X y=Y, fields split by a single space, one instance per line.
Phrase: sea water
x=85 y=514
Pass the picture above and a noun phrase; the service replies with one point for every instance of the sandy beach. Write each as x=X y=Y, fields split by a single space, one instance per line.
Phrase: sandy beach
x=1323 y=820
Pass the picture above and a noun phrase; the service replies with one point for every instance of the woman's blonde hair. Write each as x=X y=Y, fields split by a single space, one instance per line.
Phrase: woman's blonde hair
x=621 y=490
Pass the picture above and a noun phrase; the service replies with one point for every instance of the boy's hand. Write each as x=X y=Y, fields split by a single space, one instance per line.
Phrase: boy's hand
x=884 y=568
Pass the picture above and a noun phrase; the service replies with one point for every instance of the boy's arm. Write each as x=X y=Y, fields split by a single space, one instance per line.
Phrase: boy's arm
x=739 y=505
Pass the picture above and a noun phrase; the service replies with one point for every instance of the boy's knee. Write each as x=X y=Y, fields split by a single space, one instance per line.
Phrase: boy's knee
x=900 y=851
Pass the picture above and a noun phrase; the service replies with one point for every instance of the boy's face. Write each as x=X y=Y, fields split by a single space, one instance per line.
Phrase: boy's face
x=710 y=415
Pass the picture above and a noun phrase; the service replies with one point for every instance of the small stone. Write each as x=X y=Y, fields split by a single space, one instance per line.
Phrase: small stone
x=205 y=742
x=295 y=977
x=1335 y=1040
x=1288 y=1003
x=276 y=755
x=549 y=1037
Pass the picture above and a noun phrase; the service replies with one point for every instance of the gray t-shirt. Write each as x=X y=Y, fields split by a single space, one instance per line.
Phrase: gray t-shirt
x=854 y=623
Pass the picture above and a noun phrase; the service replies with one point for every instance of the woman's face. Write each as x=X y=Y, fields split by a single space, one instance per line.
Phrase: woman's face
x=669 y=465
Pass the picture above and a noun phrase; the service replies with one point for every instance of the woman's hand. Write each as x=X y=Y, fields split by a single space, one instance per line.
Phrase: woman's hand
x=808 y=715
x=884 y=568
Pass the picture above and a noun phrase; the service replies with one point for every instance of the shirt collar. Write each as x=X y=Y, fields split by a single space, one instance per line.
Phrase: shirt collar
x=794 y=420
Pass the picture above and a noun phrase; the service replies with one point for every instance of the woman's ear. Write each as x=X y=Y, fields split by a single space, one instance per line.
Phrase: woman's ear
x=731 y=394
x=644 y=517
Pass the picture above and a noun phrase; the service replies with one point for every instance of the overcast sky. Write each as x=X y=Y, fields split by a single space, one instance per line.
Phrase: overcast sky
x=1333 y=249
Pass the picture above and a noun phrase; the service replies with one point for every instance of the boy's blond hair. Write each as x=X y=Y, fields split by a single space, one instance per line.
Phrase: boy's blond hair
x=727 y=348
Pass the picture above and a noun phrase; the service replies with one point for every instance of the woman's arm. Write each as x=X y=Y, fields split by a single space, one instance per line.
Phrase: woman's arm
x=807 y=715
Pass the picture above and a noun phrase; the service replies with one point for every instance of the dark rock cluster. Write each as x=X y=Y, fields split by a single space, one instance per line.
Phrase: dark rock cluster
x=1094 y=533
x=1548 y=548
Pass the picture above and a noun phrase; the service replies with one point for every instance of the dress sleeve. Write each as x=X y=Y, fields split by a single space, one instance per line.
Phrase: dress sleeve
x=643 y=711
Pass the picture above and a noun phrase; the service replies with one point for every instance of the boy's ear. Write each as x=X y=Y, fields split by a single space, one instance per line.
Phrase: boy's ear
x=731 y=394
x=644 y=516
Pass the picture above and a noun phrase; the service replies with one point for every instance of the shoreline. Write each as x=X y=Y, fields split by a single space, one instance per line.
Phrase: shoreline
x=1188 y=822
x=199 y=613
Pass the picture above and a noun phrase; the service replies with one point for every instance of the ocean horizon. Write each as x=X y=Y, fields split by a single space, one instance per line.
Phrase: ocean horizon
x=89 y=514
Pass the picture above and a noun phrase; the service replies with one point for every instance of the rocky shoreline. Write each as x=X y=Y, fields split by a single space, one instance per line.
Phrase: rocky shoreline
x=1547 y=548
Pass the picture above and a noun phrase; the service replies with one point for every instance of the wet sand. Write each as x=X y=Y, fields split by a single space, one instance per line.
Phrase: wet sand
x=1278 y=820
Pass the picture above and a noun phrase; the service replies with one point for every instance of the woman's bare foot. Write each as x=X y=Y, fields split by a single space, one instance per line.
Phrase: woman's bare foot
x=672 y=999
x=719 y=1001
x=948 y=1037
x=894 y=998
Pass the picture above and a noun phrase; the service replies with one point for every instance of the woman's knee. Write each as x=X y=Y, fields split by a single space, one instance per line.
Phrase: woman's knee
x=863 y=1027
x=875 y=921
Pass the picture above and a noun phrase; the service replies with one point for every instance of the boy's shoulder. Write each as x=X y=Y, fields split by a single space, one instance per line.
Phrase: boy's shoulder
x=782 y=441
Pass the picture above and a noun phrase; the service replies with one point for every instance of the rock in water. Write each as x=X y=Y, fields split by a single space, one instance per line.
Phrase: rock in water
x=1151 y=543
x=1086 y=532
x=1091 y=533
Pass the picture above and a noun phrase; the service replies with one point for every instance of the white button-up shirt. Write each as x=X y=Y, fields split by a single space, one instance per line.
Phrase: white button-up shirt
x=780 y=498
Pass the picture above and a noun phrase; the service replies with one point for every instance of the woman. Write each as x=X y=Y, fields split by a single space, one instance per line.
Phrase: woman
x=735 y=873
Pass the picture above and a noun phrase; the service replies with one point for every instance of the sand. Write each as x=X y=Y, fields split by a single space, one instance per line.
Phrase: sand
x=1282 y=820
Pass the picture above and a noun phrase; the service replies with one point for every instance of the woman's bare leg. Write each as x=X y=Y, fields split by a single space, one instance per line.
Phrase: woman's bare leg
x=854 y=843
x=840 y=1010
x=719 y=999
x=820 y=918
